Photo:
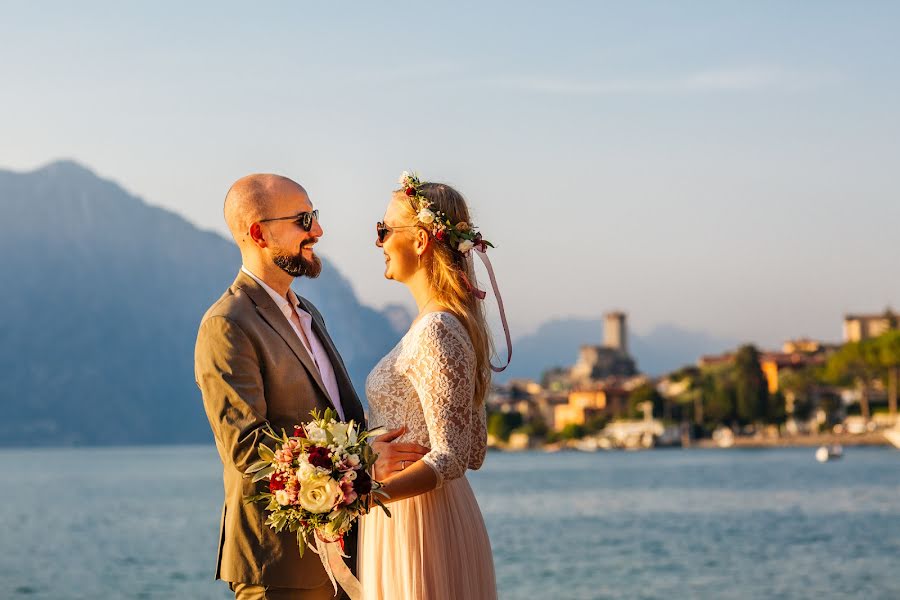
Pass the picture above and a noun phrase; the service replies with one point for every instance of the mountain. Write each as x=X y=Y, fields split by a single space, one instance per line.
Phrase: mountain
x=102 y=297
x=556 y=344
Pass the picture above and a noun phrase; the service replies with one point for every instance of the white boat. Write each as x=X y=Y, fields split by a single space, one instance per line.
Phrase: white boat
x=828 y=453
x=723 y=437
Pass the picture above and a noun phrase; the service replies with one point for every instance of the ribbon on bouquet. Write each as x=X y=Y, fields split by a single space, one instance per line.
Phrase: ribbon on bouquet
x=482 y=254
x=332 y=556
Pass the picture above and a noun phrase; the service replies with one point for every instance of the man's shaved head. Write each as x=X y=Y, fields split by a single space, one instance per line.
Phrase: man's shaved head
x=253 y=198
x=281 y=248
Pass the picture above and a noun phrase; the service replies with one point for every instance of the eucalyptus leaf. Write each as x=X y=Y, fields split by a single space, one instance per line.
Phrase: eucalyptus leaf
x=260 y=464
x=266 y=453
x=263 y=474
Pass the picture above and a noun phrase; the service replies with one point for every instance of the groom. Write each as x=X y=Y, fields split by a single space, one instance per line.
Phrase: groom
x=263 y=356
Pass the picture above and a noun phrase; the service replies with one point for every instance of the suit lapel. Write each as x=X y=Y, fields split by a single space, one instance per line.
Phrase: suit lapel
x=270 y=312
x=349 y=400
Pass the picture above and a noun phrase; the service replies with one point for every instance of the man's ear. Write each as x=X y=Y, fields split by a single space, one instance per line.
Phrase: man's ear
x=256 y=235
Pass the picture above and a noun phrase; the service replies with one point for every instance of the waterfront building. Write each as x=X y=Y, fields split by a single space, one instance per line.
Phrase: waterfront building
x=859 y=327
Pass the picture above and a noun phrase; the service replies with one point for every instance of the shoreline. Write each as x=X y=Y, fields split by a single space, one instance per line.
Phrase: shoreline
x=802 y=441
x=873 y=439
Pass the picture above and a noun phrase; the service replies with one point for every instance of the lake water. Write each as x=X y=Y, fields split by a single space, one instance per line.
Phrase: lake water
x=143 y=523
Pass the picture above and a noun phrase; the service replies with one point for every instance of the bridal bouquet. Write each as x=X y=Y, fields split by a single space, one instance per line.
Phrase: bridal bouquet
x=318 y=480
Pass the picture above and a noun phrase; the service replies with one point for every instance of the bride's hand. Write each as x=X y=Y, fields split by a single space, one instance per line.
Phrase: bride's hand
x=393 y=457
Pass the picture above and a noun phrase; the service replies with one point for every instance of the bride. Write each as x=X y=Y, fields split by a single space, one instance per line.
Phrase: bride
x=433 y=383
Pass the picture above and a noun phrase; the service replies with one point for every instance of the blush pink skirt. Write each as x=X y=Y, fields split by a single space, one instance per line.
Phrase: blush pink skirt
x=434 y=547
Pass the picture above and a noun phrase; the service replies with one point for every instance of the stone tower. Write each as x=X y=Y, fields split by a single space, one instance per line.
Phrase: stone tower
x=615 y=334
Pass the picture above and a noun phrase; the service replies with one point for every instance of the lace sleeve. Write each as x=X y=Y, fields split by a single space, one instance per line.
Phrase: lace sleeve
x=440 y=370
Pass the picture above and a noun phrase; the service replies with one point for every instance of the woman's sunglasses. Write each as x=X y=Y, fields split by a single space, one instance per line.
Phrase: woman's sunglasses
x=383 y=230
x=304 y=219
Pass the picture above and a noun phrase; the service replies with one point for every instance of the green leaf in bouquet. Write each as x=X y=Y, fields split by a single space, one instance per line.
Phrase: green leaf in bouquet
x=268 y=431
x=368 y=455
x=266 y=453
x=381 y=504
x=260 y=464
x=263 y=474
x=301 y=542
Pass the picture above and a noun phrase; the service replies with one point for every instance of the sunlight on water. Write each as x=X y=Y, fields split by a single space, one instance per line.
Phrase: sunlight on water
x=142 y=523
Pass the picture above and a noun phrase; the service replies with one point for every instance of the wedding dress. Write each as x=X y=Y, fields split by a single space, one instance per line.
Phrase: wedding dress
x=435 y=545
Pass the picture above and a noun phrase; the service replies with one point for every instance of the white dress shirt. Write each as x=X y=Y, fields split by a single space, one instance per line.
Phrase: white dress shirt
x=299 y=318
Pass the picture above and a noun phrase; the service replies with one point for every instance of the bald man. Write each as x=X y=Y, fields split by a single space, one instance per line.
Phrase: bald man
x=263 y=357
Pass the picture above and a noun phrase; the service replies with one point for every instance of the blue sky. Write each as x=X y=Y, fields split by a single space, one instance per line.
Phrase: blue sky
x=729 y=167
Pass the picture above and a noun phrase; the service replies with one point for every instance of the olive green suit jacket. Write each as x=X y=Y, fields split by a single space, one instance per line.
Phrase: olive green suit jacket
x=253 y=370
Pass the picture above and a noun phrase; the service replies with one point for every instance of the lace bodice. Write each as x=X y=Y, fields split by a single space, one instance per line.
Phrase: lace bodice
x=426 y=383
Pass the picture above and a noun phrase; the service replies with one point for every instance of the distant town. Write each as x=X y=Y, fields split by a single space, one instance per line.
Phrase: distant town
x=808 y=393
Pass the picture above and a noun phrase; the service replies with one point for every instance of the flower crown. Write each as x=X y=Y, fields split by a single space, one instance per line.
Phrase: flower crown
x=461 y=236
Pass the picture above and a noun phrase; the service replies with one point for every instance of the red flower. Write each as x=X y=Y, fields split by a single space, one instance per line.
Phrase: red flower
x=298 y=432
x=440 y=235
x=410 y=191
x=276 y=483
x=363 y=483
x=320 y=457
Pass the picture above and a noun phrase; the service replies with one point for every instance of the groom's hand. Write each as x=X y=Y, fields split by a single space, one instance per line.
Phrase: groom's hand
x=393 y=456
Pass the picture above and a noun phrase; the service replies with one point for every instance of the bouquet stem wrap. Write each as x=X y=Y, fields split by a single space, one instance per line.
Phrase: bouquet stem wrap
x=338 y=572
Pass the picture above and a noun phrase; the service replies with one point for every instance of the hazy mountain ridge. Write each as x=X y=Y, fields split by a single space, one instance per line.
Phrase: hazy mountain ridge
x=103 y=297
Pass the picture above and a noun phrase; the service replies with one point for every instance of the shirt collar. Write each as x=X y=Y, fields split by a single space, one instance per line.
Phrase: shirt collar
x=283 y=305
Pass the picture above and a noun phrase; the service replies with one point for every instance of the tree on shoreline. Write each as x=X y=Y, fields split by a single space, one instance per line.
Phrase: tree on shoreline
x=888 y=352
x=751 y=388
x=854 y=364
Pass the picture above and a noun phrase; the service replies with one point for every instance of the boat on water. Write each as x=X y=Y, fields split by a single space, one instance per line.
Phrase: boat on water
x=723 y=437
x=828 y=453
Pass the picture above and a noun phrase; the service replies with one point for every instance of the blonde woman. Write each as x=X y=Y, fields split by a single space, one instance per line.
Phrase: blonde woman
x=433 y=383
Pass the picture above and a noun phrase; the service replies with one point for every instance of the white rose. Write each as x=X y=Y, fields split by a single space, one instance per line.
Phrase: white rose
x=339 y=433
x=282 y=497
x=350 y=475
x=316 y=433
x=306 y=470
x=466 y=245
x=403 y=177
x=319 y=495
x=426 y=216
x=353 y=460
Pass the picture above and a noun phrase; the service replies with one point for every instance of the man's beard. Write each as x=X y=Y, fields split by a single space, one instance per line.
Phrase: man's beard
x=297 y=265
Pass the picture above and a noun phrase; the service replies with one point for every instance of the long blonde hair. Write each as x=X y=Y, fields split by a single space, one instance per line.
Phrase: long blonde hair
x=448 y=271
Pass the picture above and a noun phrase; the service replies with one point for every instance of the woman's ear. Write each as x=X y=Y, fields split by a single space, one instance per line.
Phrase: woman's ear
x=422 y=241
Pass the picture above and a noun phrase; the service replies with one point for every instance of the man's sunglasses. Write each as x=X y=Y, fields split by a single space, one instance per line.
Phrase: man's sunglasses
x=383 y=230
x=304 y=219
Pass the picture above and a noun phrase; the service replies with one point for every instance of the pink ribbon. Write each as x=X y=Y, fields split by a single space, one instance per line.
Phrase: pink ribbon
x=481 y=295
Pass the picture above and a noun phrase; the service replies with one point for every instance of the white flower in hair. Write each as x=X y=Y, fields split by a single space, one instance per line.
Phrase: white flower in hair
x=465 y=246
x=426 y=216
x=403 y=177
